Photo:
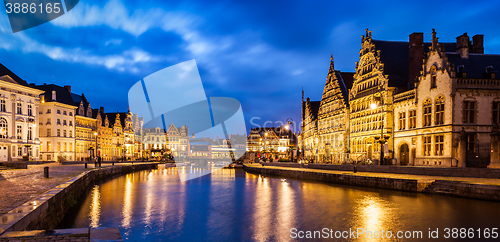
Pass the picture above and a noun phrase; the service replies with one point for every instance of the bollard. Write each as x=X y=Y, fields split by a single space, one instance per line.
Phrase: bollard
x=113 y=163
x=355 y=169
x=85 y=165
x=46 y=172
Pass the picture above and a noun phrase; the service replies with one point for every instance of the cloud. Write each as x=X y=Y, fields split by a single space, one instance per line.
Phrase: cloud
x=113 y=42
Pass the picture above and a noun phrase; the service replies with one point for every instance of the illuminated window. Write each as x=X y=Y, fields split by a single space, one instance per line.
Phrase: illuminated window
x=58 y=146
x=4 y=128
x=427 y=113
x=19 y=131
x=426 y=140
x=49 y=132
x=413 y=119
x=439 y=107
x=402 y=120
x=438 y=145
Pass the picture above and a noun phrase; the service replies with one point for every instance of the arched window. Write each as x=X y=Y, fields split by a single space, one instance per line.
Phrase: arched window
x=433 y=77
x=439 y=107
x=427 y=112
x=4 y=128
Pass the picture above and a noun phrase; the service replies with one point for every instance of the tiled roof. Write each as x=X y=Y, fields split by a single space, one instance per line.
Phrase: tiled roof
x=476 y=64
x=62 y=94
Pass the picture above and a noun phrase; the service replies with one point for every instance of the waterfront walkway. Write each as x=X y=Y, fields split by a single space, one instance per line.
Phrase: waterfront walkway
x=18 y=186
x=469 y=180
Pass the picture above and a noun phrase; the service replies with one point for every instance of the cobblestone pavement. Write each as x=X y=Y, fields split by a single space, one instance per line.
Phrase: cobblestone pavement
x=486 y=181
x=18 y=186
x=60 y=238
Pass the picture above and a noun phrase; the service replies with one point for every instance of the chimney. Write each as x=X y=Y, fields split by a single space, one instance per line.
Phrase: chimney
x=101 y=110
x=416 y=55
x=463 y=45
x=68 y=88
x=54 y=95
x=477 y=44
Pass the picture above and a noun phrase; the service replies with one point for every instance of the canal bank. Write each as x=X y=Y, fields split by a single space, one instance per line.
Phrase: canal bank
x=476 y=188
x=48 y=209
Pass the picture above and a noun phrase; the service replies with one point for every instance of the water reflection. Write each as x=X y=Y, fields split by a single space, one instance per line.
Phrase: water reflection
x=231 y=205
x=95 y=207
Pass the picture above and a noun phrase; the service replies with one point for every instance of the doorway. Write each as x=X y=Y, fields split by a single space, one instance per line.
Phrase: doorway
x=404 y=155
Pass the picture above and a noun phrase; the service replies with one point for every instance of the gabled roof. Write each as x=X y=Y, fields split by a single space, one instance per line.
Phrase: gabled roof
x=112 y=118
x=62 y=94
x=5 y=71
x=343 y=87
x=314 y=108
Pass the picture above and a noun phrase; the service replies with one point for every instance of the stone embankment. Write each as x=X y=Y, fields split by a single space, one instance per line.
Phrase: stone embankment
x=47 y=210
x=476 y=188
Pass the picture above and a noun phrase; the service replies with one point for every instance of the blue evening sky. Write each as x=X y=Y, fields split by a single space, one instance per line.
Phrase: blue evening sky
x=259 y=52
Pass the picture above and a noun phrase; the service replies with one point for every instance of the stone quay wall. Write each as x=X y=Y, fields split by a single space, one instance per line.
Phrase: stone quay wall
x=410 y=170
x=46 y=211
x=409 y=185
x=434 y=186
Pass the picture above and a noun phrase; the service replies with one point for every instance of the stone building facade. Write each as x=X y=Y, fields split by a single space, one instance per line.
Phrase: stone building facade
x=19 y=116
x=432 y=103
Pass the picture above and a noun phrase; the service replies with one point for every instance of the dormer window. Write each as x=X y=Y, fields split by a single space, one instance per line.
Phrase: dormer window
x=461 y=72
x=490 y=73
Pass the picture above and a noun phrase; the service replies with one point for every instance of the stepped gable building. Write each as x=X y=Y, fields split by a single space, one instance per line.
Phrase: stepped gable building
x=122 y=135
x=57 y=119
x=385 y=68
x=85 y=127
x=19 y=116
x=325 y=125
x=453 y=113
x=431 y=103
x=178 y=141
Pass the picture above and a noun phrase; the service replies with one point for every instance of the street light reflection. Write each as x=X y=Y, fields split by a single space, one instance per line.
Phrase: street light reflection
x=127 y=202
x=95 y=207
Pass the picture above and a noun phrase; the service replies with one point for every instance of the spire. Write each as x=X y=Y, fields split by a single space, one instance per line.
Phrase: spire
x=332 y=69
x=434 y=40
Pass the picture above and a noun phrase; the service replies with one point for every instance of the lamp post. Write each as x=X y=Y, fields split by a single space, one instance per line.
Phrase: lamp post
x=382 y=139
x=289 y=127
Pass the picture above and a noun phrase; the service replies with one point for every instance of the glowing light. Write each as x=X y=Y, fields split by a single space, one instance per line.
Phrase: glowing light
x=373 y=105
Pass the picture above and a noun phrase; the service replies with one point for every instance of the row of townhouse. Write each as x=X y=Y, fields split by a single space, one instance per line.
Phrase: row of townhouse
x=415 y=103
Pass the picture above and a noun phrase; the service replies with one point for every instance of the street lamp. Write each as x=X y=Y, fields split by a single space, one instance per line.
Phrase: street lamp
x=289 y=127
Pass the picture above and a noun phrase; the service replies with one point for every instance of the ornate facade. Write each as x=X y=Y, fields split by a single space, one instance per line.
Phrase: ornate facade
x=19 y=116
x=444 y=112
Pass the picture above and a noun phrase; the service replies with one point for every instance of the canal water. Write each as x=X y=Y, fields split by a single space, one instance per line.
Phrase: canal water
x=232 y=205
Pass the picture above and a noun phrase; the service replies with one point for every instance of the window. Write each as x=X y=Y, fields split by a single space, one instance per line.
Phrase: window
x=49 y=111
x=41 y=146
x=19 y=131
x=433 y=81
x=70 y=114
x=413 y=119
x=471 y=143
x=19 y=108
x=427 y=113
x=48 y=120
x=58 y=146
x=427 y=145
x=496 y=112
x=438 y=144
x=439 y=107
x=64 y=133
x=4 y=128
x=30 y=133
x=70 y=147
x=2 y=106
x=70 y=133
x=30 y=110
x=469 y=111
x=49 y=146
x=58 y=111
x=64 y=147
x=58 y=132
x=402 y=120
x=70 y=123
x=19 y=151
x=59 y=121
x=64 y=112
x=49 y=132
x=64 y=122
